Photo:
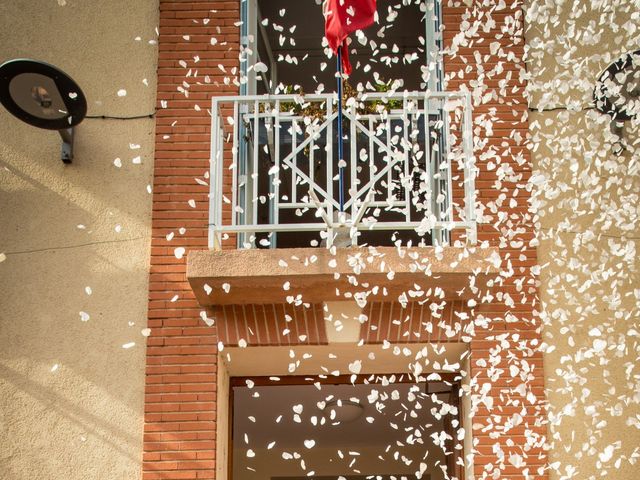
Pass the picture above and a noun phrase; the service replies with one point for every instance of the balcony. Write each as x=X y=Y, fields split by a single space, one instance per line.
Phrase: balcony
x=408 y=170
x=408 y=179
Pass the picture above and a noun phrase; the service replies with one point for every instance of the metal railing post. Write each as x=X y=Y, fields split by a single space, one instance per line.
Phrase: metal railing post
x=470 y=169
x=214 y=196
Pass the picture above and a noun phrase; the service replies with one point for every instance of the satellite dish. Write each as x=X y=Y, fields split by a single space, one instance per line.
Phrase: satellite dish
x=43 y=96
x=617 y=92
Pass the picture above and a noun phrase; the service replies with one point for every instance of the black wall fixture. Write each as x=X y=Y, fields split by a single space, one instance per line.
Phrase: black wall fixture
x=43 y=96
x=617 y=94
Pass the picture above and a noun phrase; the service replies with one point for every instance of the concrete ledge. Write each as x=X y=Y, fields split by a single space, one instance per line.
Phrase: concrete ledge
x=382 y=273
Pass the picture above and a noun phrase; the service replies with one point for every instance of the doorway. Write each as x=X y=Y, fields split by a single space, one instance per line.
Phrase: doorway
x=342 y=427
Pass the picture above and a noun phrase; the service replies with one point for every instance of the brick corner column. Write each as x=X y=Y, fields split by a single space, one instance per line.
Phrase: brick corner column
x=181 y=372
x=508 y=398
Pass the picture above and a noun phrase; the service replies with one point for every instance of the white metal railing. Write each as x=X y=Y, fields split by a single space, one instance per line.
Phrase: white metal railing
x=274 y=167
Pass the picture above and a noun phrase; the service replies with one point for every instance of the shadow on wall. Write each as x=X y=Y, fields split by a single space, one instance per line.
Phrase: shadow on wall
x=41 y=323
x=66 y=228
x=92 y=424
x=37 y=186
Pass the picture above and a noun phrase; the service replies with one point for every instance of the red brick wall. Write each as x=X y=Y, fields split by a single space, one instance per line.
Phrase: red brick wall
x=180 y=408
x=180 y=400
x=415 y=322
x=511 y=335
x=271 y=324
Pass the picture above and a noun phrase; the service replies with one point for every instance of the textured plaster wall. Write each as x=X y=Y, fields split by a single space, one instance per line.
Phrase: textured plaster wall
x=71 y=397
x=588 y=218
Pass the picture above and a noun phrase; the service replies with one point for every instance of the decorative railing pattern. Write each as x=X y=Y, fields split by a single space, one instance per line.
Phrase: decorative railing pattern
x=274 y=167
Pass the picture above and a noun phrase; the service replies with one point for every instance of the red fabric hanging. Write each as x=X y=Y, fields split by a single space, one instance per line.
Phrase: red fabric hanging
x=343 y=17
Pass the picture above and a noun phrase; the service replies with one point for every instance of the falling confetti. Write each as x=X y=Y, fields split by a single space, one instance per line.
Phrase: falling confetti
x=547 y=380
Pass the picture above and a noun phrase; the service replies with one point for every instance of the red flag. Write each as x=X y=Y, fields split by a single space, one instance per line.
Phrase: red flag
x=343 y=17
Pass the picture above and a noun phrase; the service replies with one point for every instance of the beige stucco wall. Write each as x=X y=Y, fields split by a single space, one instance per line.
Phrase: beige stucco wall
x=71 y=397
x=588 y=218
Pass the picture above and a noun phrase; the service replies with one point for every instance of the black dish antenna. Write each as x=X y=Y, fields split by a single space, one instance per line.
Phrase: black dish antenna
x=43 y=96
x=617 y=93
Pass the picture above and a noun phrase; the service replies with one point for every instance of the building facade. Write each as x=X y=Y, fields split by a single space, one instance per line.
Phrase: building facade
x=248 y=310
x=232 y=299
